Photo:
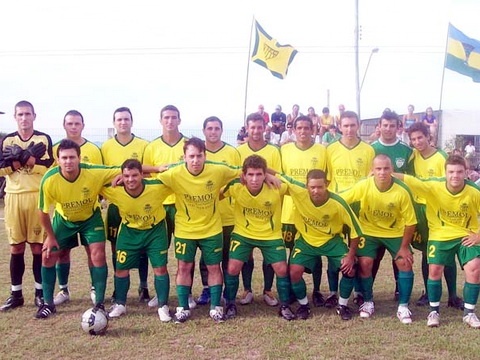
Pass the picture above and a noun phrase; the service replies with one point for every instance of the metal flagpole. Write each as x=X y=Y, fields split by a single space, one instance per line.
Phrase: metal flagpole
x=443 y=72
x=248 y=70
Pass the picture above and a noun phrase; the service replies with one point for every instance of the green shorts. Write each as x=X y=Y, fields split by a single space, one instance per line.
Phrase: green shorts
x=289 y=231
x=443 y=252
x=211 y=248
x=241 y=247
x=420 y=238
x=113 y=222
x=91 y=230
x=133 y=242
x=307 y=255
x=368 y=246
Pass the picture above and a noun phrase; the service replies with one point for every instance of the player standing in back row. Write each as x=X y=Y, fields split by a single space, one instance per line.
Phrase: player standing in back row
x=27 y=154
x=124 y=145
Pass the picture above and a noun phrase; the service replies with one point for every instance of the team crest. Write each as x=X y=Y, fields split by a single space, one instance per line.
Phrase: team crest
x=147 y=208
x=37 y=230
x=86 y=192
x=464 y=207
x=390 y=206
x=360 y=164
x=209 y=185
x=314 y=162
x=399 y=162
x=134 y=155
x=267 y=204
x=325 y=218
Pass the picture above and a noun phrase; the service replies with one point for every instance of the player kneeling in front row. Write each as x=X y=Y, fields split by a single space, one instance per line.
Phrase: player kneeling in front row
x=387 y=217
x=73 y=189
x=257 y=224
x=143 y=229
x=320 y=219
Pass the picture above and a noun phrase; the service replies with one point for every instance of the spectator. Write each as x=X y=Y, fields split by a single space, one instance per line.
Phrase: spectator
x=409 y=118
x=315 y=121
x=295 y=113
x=331 y=135
x=261 y=111
x=278 y=119
x=341 y=110
x=469 y=150
x=325 y=120
x=288 y=135
x=431 y=122
x=271 y=137
x=242 y=136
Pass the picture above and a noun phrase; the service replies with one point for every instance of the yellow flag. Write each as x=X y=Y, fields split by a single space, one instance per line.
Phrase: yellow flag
x=270 y=54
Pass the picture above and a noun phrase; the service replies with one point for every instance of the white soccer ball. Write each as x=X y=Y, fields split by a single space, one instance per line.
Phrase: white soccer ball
x=94 y=322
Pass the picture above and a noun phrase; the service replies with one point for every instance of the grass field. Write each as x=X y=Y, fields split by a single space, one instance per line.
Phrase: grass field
x=257 y=333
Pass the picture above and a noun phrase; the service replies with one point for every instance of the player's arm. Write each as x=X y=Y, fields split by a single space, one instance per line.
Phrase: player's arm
x=50 y=242
x=151 y=169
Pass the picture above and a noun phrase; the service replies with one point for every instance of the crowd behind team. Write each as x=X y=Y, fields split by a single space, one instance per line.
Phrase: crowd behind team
x=303 y=185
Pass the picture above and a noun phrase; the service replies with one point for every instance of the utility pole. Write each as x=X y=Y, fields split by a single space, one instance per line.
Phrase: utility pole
x=357 y=70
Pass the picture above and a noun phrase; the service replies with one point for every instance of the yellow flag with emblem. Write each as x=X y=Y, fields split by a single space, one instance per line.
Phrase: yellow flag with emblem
x=270 y=54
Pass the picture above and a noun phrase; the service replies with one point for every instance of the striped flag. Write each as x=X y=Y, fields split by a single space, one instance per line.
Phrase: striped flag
x=463 y=54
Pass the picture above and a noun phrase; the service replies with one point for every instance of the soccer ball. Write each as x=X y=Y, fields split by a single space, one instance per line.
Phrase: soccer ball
x=94 y=322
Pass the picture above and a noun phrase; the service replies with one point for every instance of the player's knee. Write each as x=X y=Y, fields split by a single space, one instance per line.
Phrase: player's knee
x=122 y=273
x=296 y=273
x=160 y=271
x=17 y=249
x=280 y=268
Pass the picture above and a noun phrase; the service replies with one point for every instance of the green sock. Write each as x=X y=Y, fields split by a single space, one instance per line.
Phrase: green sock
x=405 y=285
x=182 y=293
x=99 y=281
x=114 y=260
x=332 y=276
x=122 y=284
x=162 y=288
x=300 y=289
x=268 y=275
x=143 y=270
x=215 y=295
x=91 y=274
x=357 y=283
x=450 y=274
x=247 y=273
x=231 y=287
x=470 y=297
x=346 y=286
x=317 y=275
x=49 y=276
x=425 y=271
x=434 y=288
x=367 y=288
x=283 y=288
x=63 y=272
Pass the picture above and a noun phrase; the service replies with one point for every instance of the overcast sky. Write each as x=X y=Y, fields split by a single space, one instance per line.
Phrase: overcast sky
x=95 y=56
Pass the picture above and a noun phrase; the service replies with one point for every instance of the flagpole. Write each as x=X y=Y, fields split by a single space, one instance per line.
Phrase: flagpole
x=443 y=73
x=248 y=70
